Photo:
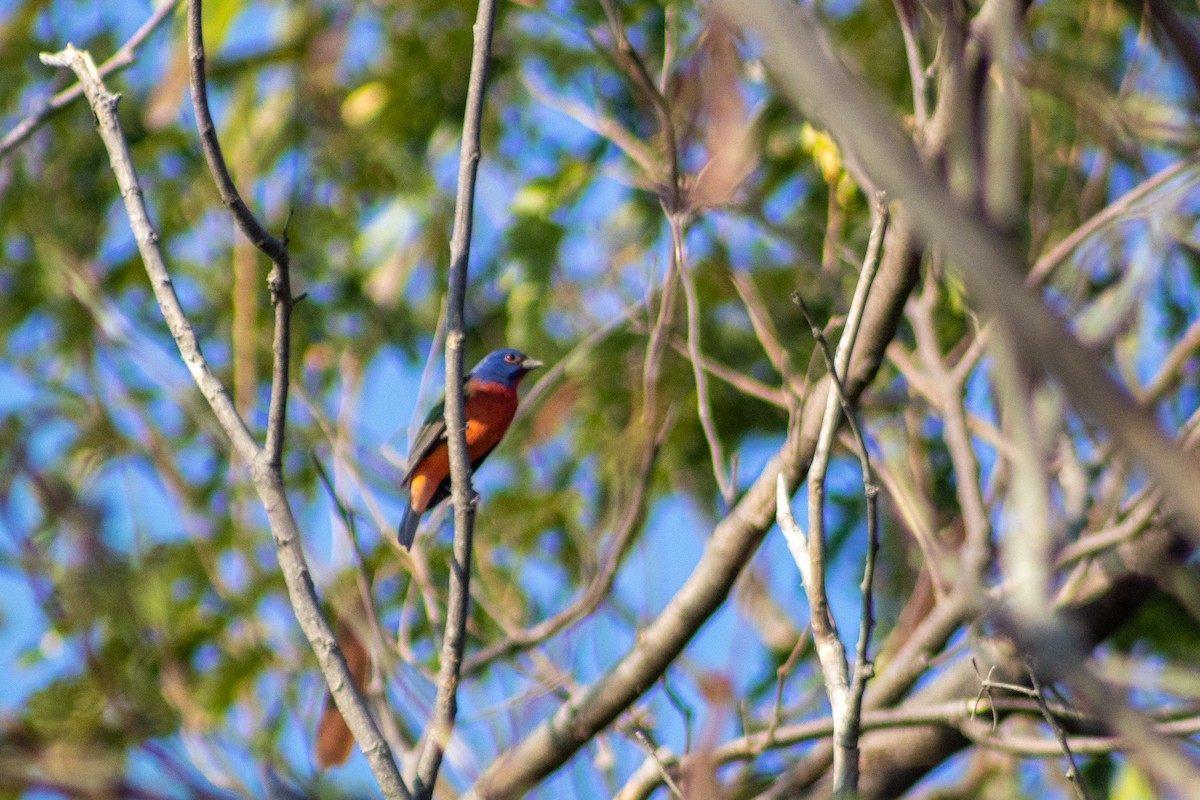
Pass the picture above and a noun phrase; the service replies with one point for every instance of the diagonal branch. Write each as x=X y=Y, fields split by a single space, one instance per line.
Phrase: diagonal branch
x=441 y=725
x=116 y=62
x=275 y=249
x=726 y=482
x=267 y=479
x=733 y=541
x=279 y=281
x=104 y=106
x=812 y=77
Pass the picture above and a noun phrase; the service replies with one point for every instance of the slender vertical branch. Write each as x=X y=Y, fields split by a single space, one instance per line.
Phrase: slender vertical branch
x=267 y=479
x=809 y=73
x=845 y=690
x=441 y=725
x=276 y=249
x=1073 y=774
x=703 y=405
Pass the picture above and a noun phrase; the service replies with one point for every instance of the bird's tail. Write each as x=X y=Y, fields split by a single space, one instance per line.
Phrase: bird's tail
x=408 y=527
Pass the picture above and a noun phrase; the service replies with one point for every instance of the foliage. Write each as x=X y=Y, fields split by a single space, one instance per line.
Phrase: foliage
x=146 y=629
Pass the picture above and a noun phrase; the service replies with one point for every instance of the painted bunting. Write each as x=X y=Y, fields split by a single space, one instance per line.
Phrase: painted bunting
x=491 y=402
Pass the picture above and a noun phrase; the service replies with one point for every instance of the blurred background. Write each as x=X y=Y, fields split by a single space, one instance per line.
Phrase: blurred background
x=147 y=648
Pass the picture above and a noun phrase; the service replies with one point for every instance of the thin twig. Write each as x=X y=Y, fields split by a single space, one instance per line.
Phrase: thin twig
x=672 y=193
x=704 y=411
x=845 y=690
x=745 y=384
x=275 y=249
x=796 y=48
x=268 y=481
x=600 y=586
x=644 y=740
x=977 y=548
x=916 y=72
x=1072 y=770
x=441 y=725
x=116 y=62
x=781 y=675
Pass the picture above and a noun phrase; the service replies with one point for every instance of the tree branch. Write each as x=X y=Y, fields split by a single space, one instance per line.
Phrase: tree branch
x=441 y=725
x=115 y=63
x=811 y=76
x=845 y=691
x=731 y=544
x=267 y=480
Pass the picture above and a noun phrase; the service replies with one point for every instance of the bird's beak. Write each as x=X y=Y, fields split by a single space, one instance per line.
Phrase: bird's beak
x=531 y=363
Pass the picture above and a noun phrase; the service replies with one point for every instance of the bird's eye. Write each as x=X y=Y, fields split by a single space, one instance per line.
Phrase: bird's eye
x=511 y=358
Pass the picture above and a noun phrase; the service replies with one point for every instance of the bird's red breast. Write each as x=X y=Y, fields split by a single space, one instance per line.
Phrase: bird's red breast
x=489 y=409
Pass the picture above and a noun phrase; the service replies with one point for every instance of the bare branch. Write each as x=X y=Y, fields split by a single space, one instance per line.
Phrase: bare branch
x=441 y=725
x=845 y=690
x=275 y=249
x=672 y=193
x=266 y=477
x=1072 y=770
x=104 y=106
x=116 y=62
x=811 y=75
x=725 y=482
x=1123 y=206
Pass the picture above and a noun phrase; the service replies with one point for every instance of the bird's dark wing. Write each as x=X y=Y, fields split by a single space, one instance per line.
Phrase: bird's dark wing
x=431 y=433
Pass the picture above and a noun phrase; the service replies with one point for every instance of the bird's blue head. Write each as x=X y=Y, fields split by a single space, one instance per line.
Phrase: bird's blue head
x=505 y=367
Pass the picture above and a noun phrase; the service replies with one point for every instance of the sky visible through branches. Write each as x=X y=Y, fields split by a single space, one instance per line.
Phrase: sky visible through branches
x=339 y=117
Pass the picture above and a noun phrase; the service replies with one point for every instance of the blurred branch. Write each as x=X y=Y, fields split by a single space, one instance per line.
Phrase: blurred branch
x=745 y=384
x=1179 y=33
x=627 y=56
x=845 y=690
x=279 y=280
x=1123 y=206
x=812 y=77
x=264 y=473
x=1157 y=756
x=960 y=714
x=604 y=126
x=116 y=62
x=726 y=483
x=906 y=12
x=764 y=331
x=441 y=724
x=600 y=586
x=976 y=553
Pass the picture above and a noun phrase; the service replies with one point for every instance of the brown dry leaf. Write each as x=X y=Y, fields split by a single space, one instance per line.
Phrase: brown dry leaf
x=727 y=130
x=162 y=108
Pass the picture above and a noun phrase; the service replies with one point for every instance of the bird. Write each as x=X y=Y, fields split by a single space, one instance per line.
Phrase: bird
x=490 y=393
